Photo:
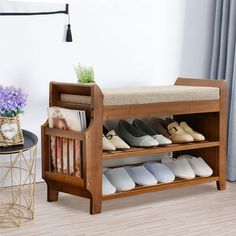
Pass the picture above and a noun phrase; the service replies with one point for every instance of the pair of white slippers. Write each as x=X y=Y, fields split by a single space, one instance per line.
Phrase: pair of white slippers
x=187 y=166
x=125 y=178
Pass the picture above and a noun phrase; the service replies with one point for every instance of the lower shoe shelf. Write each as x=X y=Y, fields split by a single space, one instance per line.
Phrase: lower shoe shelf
x=162 y=186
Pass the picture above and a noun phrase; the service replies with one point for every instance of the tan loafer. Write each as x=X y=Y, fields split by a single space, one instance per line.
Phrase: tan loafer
x=117 y=142
x=196 y=136
x=177 y=134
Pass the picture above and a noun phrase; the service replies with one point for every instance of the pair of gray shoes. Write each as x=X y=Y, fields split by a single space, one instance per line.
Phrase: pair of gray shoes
x=139 y=134
x=125 y=178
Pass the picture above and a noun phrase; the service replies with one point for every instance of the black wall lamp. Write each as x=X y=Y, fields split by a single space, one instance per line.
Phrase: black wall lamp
x=68 y=37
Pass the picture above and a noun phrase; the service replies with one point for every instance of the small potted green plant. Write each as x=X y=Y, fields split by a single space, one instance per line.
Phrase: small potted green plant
x=85 y=74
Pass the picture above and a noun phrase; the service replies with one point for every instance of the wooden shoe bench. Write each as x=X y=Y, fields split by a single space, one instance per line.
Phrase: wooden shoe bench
x=205 y=116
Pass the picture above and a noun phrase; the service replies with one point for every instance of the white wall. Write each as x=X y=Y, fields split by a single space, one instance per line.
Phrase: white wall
x=129 y=43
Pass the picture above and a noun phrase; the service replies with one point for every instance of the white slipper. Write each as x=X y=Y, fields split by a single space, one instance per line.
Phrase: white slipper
x=161 y=172
x=199 y=166
x=140 y=175
x=120 y=179
x=180 y=167
x=117 y=142
x=107 y=187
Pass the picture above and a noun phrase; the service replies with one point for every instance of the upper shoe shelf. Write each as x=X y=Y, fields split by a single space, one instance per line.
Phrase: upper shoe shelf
x=109 y=155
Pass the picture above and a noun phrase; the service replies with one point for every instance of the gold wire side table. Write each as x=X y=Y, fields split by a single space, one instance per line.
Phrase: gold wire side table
x=17 y=181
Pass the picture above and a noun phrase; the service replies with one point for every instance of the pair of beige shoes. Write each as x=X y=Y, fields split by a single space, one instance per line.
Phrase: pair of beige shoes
x=111 y=141
x=178 y=132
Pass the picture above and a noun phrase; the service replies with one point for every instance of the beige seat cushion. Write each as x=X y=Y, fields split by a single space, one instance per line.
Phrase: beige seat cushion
x=154 y=94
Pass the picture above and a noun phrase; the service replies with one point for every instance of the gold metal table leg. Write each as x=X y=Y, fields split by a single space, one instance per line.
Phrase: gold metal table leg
x=17 y=185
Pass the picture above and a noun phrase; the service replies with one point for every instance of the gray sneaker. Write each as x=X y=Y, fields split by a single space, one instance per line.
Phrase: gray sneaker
x=133 y=136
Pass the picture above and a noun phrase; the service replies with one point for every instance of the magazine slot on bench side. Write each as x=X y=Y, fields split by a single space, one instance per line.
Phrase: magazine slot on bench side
x=67 y=147
x=81 y=176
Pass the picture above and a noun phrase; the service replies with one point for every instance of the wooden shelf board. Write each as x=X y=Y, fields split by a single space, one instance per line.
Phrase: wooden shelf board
x=161 y=186
x=157 y=150
x=115 y=112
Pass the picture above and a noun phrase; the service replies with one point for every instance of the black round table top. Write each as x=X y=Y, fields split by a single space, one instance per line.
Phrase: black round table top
x=30 y=140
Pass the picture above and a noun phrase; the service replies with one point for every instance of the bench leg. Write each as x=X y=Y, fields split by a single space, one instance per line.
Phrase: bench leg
x=221 y=184
x=95 y=205
x=52 y=194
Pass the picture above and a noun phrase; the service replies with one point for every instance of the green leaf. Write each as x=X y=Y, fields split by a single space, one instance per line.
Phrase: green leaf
x=85 y=74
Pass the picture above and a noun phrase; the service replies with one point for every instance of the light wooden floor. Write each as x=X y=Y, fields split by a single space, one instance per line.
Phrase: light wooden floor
x=199 y=210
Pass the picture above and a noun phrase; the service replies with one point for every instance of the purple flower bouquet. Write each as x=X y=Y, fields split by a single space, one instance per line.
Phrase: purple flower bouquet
x=12 y=102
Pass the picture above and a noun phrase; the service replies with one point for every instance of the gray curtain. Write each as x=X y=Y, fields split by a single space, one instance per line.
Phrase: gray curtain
x=223 y=66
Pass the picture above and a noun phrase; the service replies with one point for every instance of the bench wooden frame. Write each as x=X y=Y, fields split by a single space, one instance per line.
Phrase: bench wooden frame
x=208 y=117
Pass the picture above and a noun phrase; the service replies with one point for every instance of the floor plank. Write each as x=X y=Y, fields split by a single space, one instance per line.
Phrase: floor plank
x=192 y=211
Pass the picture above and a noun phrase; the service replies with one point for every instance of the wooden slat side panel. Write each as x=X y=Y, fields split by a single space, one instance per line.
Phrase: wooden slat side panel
x=64 y=133
x=74 y=158
x=72 y=88
x=73 y=106
x=66 y=179
x=68 y=156
x=51 y=172
x=56 y=154
x=159 y=109
x=68 y=188
x=45 y=150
